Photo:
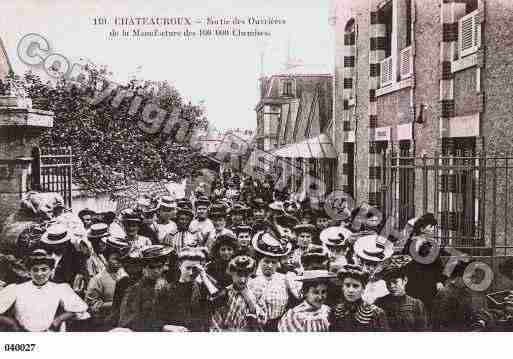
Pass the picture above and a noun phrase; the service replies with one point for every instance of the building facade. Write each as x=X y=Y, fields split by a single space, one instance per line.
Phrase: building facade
x=294 y=119
x=423 y=78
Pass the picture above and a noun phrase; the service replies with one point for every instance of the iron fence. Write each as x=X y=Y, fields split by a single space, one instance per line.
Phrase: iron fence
x=469 y=194
x=52 y=171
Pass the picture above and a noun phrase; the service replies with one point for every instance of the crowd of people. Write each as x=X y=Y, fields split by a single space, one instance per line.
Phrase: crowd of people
x=237 y=261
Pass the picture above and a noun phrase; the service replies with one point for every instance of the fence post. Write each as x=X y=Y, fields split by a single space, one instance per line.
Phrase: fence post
x=424 y=184
x=36 y=169
x=69 y=179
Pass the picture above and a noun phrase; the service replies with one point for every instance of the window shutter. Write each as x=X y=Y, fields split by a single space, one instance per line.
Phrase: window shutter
x=469 y=37
x=386 y=72
x=406 y=63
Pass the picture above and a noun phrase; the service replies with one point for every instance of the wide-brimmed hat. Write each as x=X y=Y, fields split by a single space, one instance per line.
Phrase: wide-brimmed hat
x=119 y=245
x=336 y=236
x=217 y=210
x=501 y=298
x=226 y=239
x=184 y=203
x=258 y=203
x=106 y=217
x=242 y=229
x=307 y=212
x=56 y=234
x=353 y=271
x=301 y=228
x=314 y=253
x=130 y=215
x=238 y=208
x=193 y=254
x=39 y=256
x=316 y=276
x=373 y=247
x=242 y=264
x=155 y=253
x=268 y=245
x=146 y=205
x=184 y=210
x=132 y=256
x=86 y=212
x=202 y=201
x=287 y=221
x=288 y=204
x=98 y=230
x=167 y=202
x=276 y=206
x=395 y=267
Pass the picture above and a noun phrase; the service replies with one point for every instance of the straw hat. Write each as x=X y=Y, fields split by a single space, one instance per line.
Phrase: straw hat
x=56 y=234
x=268 y=245
x=373 y=247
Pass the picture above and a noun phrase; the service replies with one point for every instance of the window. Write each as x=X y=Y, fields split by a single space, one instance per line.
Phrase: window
x=469 y=33
x=396 y=15
x=408 y=22
x=471 y=6
x=387 y=16
x=288 y=88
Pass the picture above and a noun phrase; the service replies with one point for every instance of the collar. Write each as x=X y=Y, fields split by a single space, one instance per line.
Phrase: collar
x=40 y=286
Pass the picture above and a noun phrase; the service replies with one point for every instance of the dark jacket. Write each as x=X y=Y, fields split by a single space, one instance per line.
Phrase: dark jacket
x=187 y=305
x=357 y=317
x=458 y=309
x=143 y=309
x=404 y=313
x=422 y=280
x=218 y=271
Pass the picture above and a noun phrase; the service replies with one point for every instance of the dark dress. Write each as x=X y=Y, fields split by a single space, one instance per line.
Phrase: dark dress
x=357 y=317
x=141 y=308
x=403 y=313
x=422 y=280
x=187 y=305
x=71 y=264
x=217 y=270
x=121 y=288
x=458 y=309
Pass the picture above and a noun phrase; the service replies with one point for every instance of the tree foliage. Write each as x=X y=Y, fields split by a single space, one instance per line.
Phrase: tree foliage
x=109 y=147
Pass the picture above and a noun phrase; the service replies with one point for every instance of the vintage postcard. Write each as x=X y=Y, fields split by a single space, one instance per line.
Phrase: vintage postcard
x=254 y=166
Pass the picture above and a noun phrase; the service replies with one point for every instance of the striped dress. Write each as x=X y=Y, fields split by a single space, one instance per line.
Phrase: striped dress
x=305 y=318
x=273 y=292
x=182 y=239
x=357 y=316
x=232 y=315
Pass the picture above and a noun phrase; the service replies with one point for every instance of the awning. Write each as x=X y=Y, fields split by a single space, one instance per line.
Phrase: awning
x=317 y=147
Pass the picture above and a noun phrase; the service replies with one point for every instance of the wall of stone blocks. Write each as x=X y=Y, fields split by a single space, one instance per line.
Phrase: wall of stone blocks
x=497 y=118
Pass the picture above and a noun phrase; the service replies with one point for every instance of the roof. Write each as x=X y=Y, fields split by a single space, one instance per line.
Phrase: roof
x=316 y=147
x=5 y=64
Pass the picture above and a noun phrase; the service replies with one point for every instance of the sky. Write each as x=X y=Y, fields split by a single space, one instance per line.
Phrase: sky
x=222 y=72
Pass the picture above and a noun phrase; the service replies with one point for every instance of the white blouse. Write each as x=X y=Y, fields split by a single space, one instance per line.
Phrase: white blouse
x=35 y=307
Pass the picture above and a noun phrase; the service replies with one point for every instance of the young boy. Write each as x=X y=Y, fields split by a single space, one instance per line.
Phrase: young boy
x=36 y=302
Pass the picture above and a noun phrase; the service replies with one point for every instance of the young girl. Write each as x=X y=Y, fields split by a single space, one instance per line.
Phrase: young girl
x=312 y=314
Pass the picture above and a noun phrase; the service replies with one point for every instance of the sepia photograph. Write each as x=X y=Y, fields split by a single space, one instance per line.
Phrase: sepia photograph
x=262 y=166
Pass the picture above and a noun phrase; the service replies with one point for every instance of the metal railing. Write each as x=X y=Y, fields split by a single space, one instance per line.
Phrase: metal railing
x=470 y=196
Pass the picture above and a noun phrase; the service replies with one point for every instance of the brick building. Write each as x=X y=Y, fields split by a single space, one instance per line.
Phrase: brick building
x=423 y=78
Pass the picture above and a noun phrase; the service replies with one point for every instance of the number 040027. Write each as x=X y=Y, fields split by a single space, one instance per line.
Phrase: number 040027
x=19 y=347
